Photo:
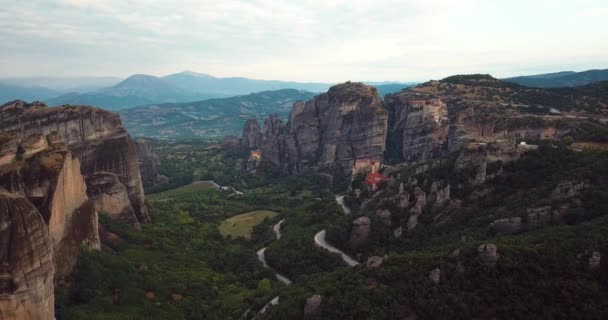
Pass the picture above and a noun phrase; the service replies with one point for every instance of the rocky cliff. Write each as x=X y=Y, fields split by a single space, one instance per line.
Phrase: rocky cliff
x=437 y=117
x=329 y=132
x=96 y=137
x=49 y=176
x=148 y=163
x=26 y=261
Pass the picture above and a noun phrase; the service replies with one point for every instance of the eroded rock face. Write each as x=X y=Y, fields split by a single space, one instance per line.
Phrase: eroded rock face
x=438 y=117
x=385 y=216
x=374 y=262
x=252 y=135
x=435 y=276
x=148 y=163
x=594 y=261
x=96 y=137
x=488 y=255
x=52 y=181
x=360 y=231
x=26 y=261
x=110 y=197
x=420 y=123
x=329 y=132
x=313 y=304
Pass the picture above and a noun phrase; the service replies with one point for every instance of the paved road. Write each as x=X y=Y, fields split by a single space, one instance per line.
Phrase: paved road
x=262 y=259
x=340 y=200
x=277 y=229
x=320 y=241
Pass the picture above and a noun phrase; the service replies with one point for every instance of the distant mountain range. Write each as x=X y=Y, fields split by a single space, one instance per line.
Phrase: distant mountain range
x=140 y=89
x=210 y=119
x=561 y=79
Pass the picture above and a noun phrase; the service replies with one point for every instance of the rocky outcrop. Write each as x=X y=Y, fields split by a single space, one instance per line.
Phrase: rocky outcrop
x=26 y=261
x=252 y=135
x=96 y=137
x=374 y=262
x=385 y=216
x=111 y=197
x=420 y=123
x=328 y=133
x=273 y=141
x=567 y=189
x=480 y=156
x=594 y=261
x=488 y=255
x=148 y=163
x=360 y=231
x=535 y=218
x=52 y=180
x=435 y=276
x=438 y=117
x=313 y=305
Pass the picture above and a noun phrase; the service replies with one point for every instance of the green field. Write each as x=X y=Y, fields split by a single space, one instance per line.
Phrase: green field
x=193 y=188
x=242 y=225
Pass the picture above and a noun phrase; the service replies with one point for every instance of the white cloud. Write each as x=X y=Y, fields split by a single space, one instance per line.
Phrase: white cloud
x=316 y=40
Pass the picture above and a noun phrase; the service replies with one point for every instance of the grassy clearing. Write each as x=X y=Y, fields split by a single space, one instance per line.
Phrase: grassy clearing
x=242 y=225
x=195 y=187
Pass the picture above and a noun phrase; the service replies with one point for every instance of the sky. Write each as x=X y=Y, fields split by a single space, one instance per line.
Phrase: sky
x=303 y=40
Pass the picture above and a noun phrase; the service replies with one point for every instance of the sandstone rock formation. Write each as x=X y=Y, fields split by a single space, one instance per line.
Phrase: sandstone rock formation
x=385 y=216
x=420 y=125
x=96 y=137
x=26 y=261
x=438 y=117
x=488 y=255
x=360 y=231
x=328 y=133
x=52 y=180
x=594 y=261
x=111 y=197
x=313 y=304
x=455 y=262
x=374 y=262
x=252 y=135
x=435 y=276
x=148 y=163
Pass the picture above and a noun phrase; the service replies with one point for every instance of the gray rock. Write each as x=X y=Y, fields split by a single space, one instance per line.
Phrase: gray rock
x=374 y=262
x=594 y=261
x=435 y=276
x=385 y=216
x=488 y=255
x=360 y=231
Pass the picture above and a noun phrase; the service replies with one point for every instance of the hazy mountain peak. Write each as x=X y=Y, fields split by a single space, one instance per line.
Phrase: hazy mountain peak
x=191 y=74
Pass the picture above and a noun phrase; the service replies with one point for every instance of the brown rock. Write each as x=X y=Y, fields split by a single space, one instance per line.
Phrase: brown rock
x=329 y=132
x=148 y=163
x=374 y=262
x=252 y=135
x=385 y=216
x=488 y=255
x=313 y=304
x=150 y=296
x=96 y=137
x=360 y=231
x=594 y=261
x=26 y=266
x=111 y=197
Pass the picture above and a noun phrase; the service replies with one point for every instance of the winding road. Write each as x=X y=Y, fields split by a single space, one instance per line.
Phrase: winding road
x=321 y=242
x=262 y=256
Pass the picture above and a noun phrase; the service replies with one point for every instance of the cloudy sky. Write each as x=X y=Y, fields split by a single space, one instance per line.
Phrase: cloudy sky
x=303 y=40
